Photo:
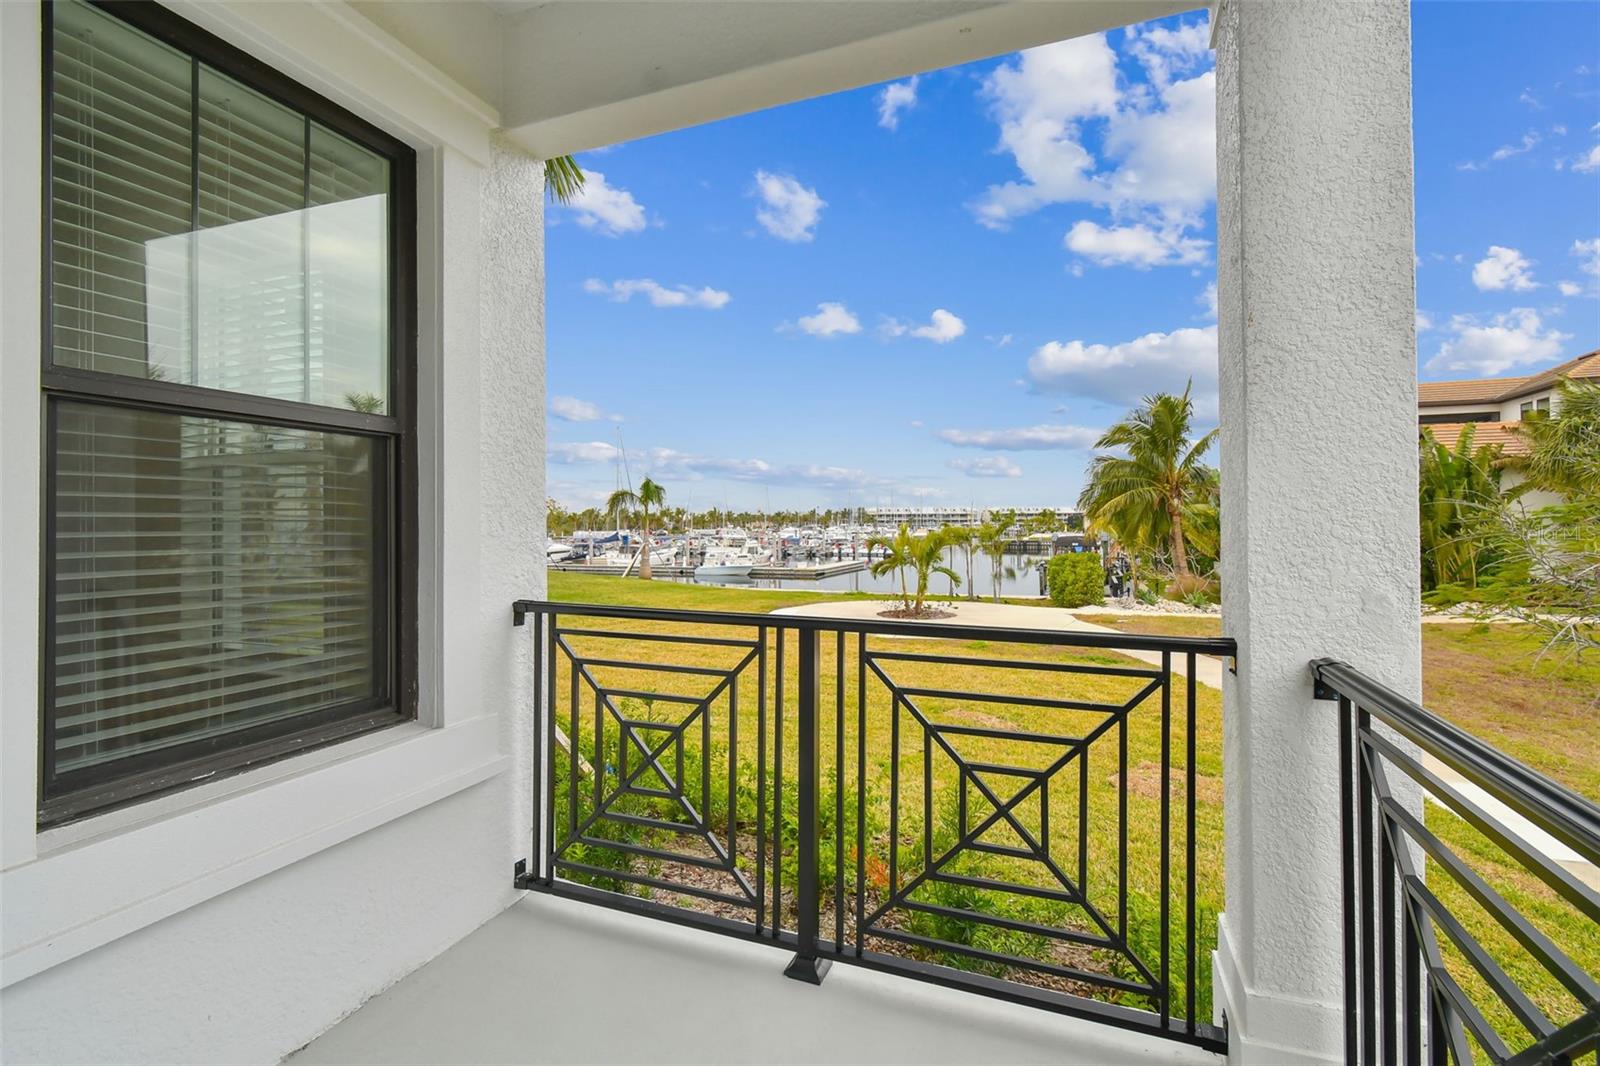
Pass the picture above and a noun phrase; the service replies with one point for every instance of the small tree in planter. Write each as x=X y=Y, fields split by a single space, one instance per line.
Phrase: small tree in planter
x=1076 y=580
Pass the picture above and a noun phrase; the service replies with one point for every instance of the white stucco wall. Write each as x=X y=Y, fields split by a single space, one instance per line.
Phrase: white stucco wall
x=1316 y=334
x=236 y=921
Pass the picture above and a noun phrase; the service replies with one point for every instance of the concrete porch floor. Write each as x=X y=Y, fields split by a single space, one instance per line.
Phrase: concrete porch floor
x=552 y=981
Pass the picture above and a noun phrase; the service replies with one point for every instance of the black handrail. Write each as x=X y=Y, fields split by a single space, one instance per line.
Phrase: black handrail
x=1399 y=993
x=1561 y=812
x=699 y=793
x=1222 y=646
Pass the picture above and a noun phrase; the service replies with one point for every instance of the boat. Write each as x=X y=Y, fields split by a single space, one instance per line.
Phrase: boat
x=722 y=563
x=557 y=552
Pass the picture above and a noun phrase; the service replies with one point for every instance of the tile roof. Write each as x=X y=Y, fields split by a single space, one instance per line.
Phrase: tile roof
x=1502 y=433
x=1498 y=390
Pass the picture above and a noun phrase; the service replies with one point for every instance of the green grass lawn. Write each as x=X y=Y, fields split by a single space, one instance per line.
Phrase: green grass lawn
x=1491 y=681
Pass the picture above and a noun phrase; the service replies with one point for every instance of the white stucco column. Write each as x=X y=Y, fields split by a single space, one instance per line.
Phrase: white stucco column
x=511 y=404
x=1317 y=342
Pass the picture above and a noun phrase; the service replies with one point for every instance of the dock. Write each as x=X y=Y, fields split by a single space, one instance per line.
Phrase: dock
x=759 y=573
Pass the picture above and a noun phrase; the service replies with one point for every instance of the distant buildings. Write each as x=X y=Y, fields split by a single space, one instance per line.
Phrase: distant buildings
x=925 y=517
x=1495 y=406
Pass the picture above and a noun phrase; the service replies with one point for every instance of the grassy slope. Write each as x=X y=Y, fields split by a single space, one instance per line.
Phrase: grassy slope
x=1491 y=681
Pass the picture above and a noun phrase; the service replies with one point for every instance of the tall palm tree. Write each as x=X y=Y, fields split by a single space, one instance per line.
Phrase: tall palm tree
x=1455 y=490
x=1146 y=492
x=623 y=500
x=993 y=537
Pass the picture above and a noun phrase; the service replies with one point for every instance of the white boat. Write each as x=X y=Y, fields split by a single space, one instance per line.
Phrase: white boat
x=556 y=552
x=725 y=561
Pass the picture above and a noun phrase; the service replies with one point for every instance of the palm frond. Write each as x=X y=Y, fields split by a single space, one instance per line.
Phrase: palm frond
x=563 y=178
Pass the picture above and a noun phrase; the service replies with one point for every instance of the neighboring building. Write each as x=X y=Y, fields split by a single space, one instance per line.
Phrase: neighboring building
x=928 y=517
x=1495 y=407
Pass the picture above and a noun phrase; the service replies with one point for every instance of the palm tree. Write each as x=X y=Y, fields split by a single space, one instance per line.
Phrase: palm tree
x=1564 y=449
x=964 y=539
x=649 y=495
x=563 y=178
x=927 y=559
x=1146 y=493
x=1455 y=489
x=896 y=556
x=994 y=537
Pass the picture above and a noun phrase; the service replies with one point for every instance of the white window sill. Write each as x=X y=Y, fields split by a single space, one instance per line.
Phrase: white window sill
x=106 y=877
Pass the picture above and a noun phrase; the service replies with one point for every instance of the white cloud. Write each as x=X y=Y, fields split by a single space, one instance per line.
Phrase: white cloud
x=1025 y=438
x=987 y=466
x=790 y=211
x=1161 y=146
x=1208 y=299
x=1165 y=52
x=671 y=462
x=1424 y=322
x=895 y=98
x=606 y=209
x=1505 y=342
x=1588 y=164
x=1503 y=268
x=572 y=409
x=830 y=319
x=1000 y=341
x=1506 y=151
x=1528 y=98
x=1039 y=100
x=1124 y=373
x=623 y=289
x=942 y=328
x=1569 y=288
x=1137 y=246
x=1588 y=253
x=594 y=451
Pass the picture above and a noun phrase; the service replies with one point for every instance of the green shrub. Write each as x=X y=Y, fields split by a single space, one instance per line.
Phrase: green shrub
x=1076 y=579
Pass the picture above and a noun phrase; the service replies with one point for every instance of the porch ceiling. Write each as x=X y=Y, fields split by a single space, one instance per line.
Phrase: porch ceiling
x=567 y=76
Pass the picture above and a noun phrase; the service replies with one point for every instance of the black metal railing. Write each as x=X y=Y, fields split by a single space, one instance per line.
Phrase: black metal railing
x=1030 y=815
x=1459 y=926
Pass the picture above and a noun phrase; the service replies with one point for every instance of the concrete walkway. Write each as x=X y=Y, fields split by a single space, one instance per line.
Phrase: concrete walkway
x=1207 y=670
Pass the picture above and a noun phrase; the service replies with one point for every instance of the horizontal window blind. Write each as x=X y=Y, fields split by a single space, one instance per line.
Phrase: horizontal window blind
x=122 y=175
x=226 y=567
x=211 y=577
x=206 y=234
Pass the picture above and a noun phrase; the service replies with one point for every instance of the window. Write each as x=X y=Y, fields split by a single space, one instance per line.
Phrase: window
x=228 y=425
x=1535 y=408
x=1457 y=417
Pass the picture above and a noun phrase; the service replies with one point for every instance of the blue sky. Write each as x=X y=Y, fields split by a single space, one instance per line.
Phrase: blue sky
x=943 y=288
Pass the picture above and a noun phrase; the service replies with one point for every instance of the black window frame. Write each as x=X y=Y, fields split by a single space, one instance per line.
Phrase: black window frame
x=396 y=562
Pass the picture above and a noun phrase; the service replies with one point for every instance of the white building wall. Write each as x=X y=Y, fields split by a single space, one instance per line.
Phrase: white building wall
x=236 y=921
